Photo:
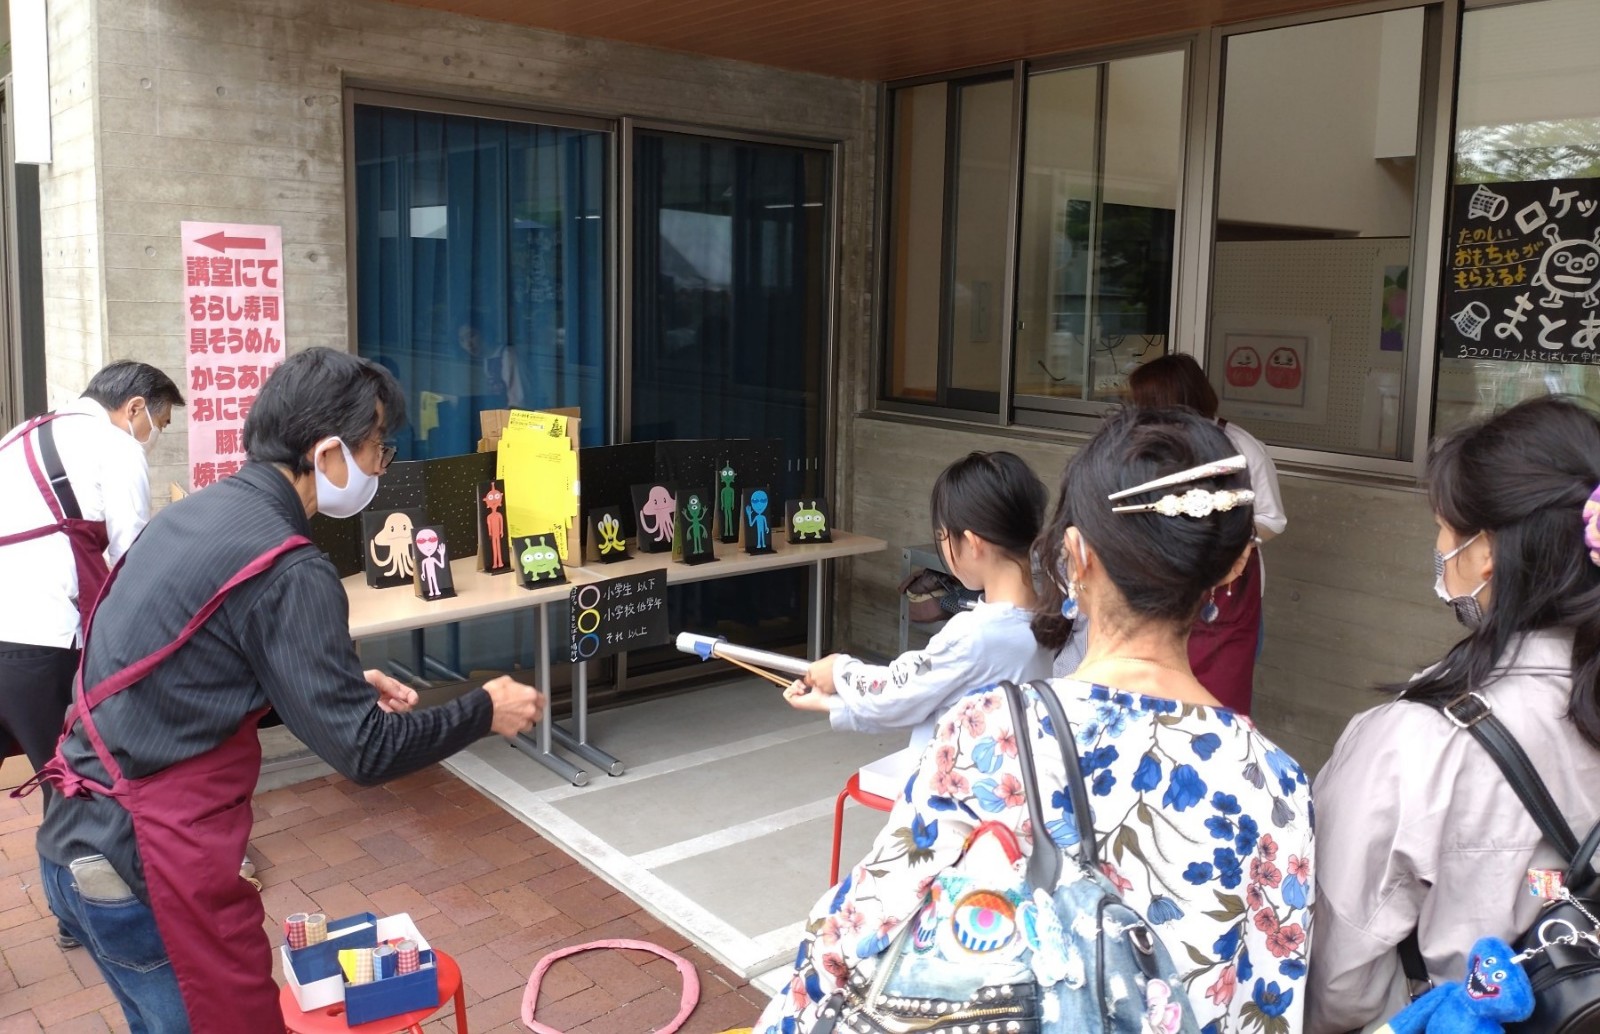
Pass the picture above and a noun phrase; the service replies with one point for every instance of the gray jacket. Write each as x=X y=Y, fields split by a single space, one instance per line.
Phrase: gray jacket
x=1417 y=828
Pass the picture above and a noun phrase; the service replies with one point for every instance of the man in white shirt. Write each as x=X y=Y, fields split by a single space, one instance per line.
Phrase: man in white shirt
x=75 y=487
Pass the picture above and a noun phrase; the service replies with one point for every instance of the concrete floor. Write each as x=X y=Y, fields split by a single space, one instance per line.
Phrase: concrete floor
x=721 y=824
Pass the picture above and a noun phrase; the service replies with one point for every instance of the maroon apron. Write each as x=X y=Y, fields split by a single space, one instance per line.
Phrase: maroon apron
x=192 y=823
x=1223 y=652
x=87 y=538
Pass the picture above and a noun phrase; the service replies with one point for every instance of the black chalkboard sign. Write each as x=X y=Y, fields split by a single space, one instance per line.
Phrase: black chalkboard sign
x=1522 y=274
x=618 y=614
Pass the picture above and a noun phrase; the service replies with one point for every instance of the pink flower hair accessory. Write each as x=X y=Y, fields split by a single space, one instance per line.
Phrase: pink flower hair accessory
x=1591 y=526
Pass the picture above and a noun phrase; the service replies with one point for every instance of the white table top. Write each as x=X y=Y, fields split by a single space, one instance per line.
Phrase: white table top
x=383 y=611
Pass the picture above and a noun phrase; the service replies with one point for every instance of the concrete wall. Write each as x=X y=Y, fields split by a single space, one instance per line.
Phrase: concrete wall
x=216 y=110
x=69 y=211
x=1349 y=603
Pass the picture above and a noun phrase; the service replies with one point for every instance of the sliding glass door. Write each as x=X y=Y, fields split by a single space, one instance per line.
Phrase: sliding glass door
x=731 y=242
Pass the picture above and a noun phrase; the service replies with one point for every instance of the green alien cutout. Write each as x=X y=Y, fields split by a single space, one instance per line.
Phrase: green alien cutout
x=808 y=522
x=728 y=499
x=540 y=561
x=695 y=514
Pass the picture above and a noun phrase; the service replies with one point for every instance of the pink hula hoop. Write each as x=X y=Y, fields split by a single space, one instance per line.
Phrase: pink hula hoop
x=691 y=981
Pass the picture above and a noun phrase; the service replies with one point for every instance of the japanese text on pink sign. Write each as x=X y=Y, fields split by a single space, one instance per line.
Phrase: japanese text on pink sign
x=233 y=323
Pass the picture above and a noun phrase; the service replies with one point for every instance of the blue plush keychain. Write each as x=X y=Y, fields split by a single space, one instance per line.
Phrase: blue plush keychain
x=1494 y=992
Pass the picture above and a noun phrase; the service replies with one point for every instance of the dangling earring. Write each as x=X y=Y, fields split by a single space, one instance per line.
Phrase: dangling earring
x=1209 y=612
x=1069 y=605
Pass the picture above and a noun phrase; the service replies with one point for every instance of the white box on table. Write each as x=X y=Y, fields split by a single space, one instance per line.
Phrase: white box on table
x=324 y=991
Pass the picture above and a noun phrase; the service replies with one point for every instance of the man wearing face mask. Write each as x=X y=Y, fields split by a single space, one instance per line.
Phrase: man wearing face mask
x=222 y=610
x=76 y=487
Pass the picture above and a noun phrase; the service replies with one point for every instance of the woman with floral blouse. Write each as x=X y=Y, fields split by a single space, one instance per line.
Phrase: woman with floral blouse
x=1204 y=823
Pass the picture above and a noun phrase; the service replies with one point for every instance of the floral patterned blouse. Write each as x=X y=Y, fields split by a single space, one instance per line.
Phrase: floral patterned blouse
x=1203 y=824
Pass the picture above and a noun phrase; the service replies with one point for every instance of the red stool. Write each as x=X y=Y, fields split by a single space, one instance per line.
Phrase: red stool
x=330 y=1018
x=852 y=789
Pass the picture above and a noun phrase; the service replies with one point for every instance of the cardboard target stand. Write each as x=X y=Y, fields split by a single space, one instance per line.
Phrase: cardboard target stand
x=613 y=607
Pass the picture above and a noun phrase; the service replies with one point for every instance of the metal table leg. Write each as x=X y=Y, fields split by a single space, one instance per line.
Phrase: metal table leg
x=814 y=615
x=580 y=744
x=540 y=749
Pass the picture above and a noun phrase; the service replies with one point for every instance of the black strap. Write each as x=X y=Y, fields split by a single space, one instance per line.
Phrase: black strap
x=57 y=473
x=1415 y=966
x=1471 y=711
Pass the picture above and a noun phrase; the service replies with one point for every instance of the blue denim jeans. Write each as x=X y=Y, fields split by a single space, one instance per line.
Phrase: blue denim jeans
x=122 y=937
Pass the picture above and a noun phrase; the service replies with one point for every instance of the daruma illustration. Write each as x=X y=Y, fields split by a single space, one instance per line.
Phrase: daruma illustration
x=1244 y=367
x=1283 y=369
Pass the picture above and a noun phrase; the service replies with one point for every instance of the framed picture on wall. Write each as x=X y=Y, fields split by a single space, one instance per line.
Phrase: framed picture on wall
x=1272 y=368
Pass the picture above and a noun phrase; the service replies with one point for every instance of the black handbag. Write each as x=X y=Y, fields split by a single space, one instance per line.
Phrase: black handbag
x=1560 y=952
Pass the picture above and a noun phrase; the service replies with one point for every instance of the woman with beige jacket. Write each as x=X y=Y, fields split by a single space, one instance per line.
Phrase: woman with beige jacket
x=1416 y=827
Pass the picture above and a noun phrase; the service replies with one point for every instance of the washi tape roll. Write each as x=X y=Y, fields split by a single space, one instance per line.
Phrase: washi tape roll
x=385 y=961
x=316 y=928
x=294 y=931
x=406 y=958
x=363 y=966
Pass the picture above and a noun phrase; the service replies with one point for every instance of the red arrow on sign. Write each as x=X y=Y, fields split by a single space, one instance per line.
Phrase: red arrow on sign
x=220 y=241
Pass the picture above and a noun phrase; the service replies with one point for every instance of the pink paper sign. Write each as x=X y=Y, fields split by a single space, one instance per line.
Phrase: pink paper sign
x=233 y=322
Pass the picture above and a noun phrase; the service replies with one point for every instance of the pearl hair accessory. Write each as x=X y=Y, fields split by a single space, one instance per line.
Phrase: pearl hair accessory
x=1196 y=502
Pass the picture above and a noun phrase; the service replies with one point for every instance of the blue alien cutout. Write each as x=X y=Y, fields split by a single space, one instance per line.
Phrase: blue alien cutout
x=757 y=521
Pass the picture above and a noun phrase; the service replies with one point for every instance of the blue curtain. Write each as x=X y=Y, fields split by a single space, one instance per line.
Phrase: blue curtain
x=481 y=269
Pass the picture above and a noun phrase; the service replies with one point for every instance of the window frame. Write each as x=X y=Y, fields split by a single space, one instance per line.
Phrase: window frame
x=1195 y=238
x=943 y=406
x=381 y=96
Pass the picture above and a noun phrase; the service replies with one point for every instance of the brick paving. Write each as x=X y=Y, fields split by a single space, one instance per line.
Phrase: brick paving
x=479 y=884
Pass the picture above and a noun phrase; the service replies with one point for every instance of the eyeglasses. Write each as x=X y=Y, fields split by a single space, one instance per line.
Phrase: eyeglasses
x=386 y=455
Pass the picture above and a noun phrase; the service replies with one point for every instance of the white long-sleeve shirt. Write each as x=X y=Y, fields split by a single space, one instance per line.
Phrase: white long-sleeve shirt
x=976 y=648
x=1270 y=518
x=111 y=480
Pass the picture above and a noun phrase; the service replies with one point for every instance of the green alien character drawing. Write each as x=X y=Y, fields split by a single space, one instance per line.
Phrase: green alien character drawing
x=727 y=498
x=695 y=516
x=808 y=523
x=540 y=561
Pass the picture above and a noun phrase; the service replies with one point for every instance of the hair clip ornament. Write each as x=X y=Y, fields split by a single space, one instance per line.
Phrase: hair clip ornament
x=1231 y=465
x=1196 y=503
x=1591 y=526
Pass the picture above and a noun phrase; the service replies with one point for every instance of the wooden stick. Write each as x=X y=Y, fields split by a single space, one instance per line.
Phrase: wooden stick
x=777 y=680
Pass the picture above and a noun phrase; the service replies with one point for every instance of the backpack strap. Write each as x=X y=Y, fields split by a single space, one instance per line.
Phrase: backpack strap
x=1044 y=867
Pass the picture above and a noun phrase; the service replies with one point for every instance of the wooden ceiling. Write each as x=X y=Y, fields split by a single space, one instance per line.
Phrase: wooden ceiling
x=873 y=39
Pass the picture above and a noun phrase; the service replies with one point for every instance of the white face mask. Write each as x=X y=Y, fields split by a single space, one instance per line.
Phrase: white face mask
x=147 y=444
x=358 y=490
x=1467 y=609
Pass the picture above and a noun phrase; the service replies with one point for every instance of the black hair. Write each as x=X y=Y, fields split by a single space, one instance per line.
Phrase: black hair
x=1522 y=478
x=997 y=497
x=316 y=394
x=1170 y=381
x=125 y=379
x=1162 y=566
